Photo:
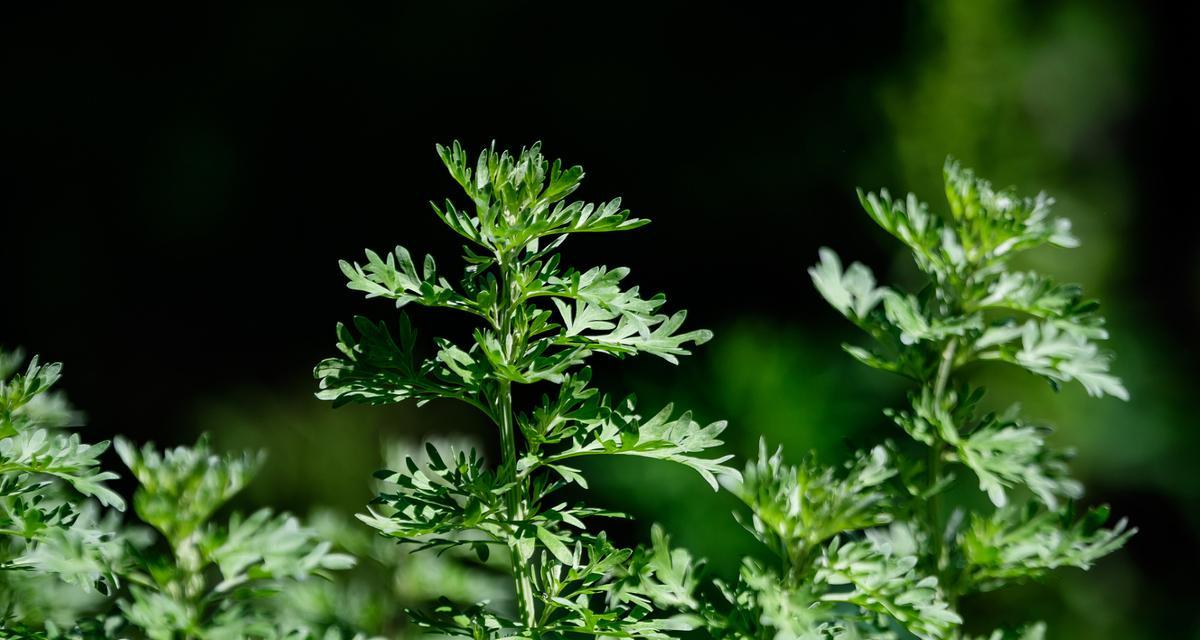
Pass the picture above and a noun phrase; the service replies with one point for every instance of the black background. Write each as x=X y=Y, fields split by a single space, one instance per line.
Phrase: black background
x=180 y=181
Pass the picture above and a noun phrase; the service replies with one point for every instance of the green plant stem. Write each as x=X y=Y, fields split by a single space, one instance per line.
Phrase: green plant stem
x=187 y=559
x=515 y=497
x=933 y=501
x=522 y=572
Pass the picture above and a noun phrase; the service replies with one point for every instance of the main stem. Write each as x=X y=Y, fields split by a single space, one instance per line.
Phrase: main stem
x=934 y=503
x=187 y=557
x=515 y=497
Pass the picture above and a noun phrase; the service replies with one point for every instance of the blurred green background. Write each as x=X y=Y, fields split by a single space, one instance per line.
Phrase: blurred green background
x=181 y=182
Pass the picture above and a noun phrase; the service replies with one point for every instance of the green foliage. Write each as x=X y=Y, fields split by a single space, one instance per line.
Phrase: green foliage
x=1011 y=544
x=538 y=322
x=389 y=575
x=974 y=307
x=870 y=549
x=211 y=579
x=796 y=509
x=71 y=570
x=841 y=572
x=50 y=533
x=867 y=551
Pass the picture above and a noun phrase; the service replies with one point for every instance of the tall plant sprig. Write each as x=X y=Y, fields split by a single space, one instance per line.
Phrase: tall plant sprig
x=539 y=323
x=975 y=307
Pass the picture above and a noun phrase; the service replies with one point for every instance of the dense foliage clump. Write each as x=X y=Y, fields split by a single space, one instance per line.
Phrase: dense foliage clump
x=871 y=549
x=969 y=497
x=56 y=547
x=72 y=569
x=879 y=546
x=210 y=577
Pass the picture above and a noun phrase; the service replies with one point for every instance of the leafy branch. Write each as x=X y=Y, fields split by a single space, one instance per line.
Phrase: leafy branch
x=539 y=323
x=974 y=308
x=48 y=525
x=211 y=579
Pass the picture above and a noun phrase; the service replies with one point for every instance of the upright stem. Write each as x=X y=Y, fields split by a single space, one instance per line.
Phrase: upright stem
x=934 y=503
x=188 y=588
x=522 y=575
x=515 y=498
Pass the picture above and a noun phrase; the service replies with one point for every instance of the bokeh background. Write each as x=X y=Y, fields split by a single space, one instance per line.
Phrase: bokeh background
x=179 y=183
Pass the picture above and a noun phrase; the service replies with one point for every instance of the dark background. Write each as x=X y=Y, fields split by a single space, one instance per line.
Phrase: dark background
x=180 y=182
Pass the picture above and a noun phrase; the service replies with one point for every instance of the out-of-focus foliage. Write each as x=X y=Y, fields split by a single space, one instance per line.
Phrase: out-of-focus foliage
x=889 y=546
x=973 y=308
x=1060 y=94
x=567 y=579
x=73 y=570
x=839 y=571
x=390 y=577
x=308 y=468
x=1046 y=94
x=212 y=579
x=56 y=549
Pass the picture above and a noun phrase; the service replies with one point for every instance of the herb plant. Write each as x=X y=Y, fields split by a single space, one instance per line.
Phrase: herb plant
x=971 y=499
x=211 y=579
x=884 y=546
x=51 y=535
x=71 y=570
x=539 y=323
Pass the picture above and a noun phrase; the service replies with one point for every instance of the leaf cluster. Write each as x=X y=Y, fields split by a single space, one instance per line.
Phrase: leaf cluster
x=389 y=578
x=207 y=578
x=51 y=484
x=538 y=322
x=975 y=307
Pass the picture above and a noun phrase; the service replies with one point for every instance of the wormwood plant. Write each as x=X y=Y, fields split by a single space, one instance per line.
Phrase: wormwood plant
x=211 y=579
x=973 y=498
x=70 y=572
x=539 y=323
x=884 y=545
x=881 y=547
x=50 y=534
